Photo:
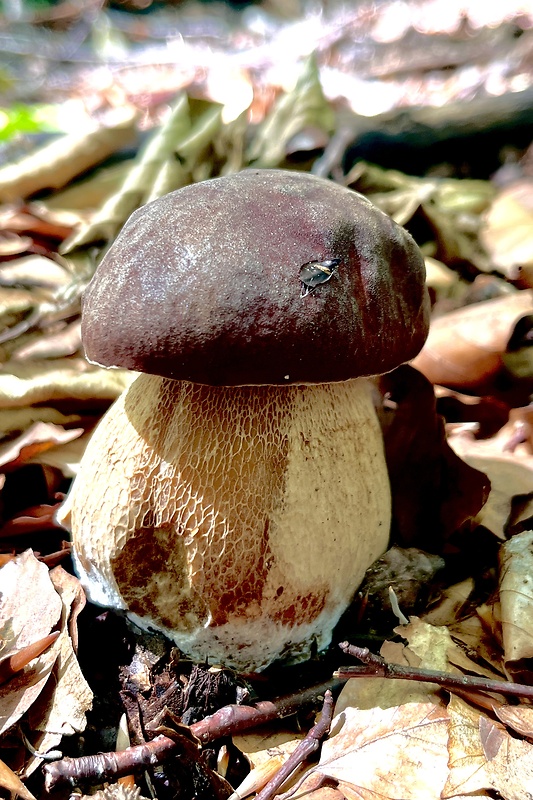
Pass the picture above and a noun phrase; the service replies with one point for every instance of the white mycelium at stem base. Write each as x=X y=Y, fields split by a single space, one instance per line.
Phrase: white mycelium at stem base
x=238 y=520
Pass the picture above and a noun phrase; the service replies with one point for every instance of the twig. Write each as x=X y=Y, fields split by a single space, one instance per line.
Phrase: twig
x=228 y=720
x=306 y=748
x=377 y=667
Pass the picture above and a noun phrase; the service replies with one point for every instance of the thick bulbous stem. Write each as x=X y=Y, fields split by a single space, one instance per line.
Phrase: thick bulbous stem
x=237 y=520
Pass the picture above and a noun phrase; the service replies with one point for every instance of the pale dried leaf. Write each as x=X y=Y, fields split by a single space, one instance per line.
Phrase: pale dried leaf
x=138 y=182
x=444 y=281
x=64 y=711
x=483 y=756
x=305 y=105
x=32 y=608
x=451 y=601
x=465 y=348
x=518 y=718
x=35 y=270
x=427 y=648
x=66 y=457
x=65 y=342
x=39 y=437
x=13 y=784
x=510 y=471
x=56 y=164
x=15 y=420
x=507 y=233
x=397 y=753
x=27 y=383
x=516 y=596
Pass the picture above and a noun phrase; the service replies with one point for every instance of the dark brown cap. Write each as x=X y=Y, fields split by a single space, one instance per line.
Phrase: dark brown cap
x=205 y=285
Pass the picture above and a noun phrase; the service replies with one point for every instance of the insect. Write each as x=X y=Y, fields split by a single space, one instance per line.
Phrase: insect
x=313 y=273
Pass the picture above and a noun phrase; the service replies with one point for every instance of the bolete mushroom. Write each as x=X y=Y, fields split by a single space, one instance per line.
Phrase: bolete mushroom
x=235 y=494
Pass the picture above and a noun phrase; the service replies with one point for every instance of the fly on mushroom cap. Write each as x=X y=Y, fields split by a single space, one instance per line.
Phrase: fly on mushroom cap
x=204 y=285
x=234 y=496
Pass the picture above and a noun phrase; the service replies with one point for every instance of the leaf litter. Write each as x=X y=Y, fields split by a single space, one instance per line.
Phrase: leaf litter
x=457 y=432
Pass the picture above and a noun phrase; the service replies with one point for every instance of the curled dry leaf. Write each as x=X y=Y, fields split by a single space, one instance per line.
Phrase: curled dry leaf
x=50 y=694
x=433 y=491
x=56 y=164
x=516 y=596
x=507 y=232
x=396 y=753
x=465 y=348
x=39 y=437
x=34 y=271
x=65 y=342
x=16 y=420
x=72 y=379
x=507 y=464
x=427 y=647
x=518 y=718
x=31 y=609
x=485 y=757
x=13 y=784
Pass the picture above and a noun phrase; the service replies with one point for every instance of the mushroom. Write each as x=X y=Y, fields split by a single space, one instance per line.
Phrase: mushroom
x=235 y=494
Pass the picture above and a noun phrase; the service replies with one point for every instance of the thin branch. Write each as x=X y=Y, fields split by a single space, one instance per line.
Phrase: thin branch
x=305 y=749
x=228 y=720
x=376 y=667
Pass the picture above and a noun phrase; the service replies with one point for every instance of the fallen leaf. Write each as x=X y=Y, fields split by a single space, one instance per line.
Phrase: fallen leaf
x=427 y=647
x=395 y=753
x=516 y=596
x=507 y=232
x=518 y=718
x=484 y=756
x=13 y=784
x=31 y=608
x=73 y=379
x=39 y=437
x=510 y=472
x=465 y=348
x=65 y=342
x=304 y=106
x=56 y=164
x=34 y=271
x=15 y=420
x=433 y=491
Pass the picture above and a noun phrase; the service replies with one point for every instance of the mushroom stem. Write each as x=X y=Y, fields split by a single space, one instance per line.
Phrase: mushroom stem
x=237 y=520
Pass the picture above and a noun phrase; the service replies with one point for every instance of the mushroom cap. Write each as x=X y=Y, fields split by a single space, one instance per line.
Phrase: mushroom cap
x=204 y=285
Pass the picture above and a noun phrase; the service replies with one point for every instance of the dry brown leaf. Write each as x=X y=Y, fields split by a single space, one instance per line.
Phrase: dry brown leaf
x=428 y=647
x=15 y=420
x=507 y=233
x=13 y=784
x=50 y=693
x=39 y=437
x=31 y=608
x=28 y=383
x=465 y=348
x=60 y=709
x=66 y=457
x=516 y=596
x=481 y=638
x=433 y=491
x=56 y=164
x=267 y=748
x=65 y=342
x=34 y=271
x=11 y=244
x=451 y=602
x=510 y=471
x=518 y=718
x=483 y=756
x=396 y=753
